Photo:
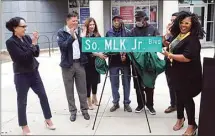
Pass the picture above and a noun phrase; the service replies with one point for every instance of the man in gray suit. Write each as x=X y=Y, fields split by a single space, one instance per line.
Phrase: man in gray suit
x=72 y=64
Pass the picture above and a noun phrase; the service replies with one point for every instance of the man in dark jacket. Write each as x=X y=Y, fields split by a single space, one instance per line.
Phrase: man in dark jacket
x=72 y=64
x=167 y=40
x=119 y=62
x=143 y=29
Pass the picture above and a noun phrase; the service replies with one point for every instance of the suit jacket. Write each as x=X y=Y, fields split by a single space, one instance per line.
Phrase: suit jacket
x=187 y=76
x=23 y=54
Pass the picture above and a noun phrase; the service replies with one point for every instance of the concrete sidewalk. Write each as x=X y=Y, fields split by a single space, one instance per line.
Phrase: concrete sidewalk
x=108 y=123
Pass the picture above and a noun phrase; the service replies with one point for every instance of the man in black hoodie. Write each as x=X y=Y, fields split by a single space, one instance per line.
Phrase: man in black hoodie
x=143 y=29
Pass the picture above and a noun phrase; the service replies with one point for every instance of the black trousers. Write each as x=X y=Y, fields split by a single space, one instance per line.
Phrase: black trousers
x=140 y=92
x=23 y=82
x=172 y=93
x=147 y=99
x=92 y=87
x=185 y=101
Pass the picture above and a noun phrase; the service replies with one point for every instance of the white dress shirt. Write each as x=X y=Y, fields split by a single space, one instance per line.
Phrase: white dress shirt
x=75 y=45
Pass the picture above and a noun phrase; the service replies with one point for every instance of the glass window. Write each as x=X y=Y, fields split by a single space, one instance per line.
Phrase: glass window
x=127 y=10
x=211 y=12
x=81 y=7
x=184 y=9
x=209 y=33
x=184 y=1
x=193 y=1
x=211 y=1
x=153 y=14
x=73 y=4
x=200 y=11
x=198 y=1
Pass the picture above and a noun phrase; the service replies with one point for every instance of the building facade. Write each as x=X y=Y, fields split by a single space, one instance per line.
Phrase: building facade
x=47 y=16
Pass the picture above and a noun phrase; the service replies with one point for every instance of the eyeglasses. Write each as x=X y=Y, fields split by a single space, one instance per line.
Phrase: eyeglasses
x=25 y=26
x=185 y=23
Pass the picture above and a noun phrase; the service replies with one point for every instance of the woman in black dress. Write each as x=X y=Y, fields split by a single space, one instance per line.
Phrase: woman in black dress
x=184 y=67
x=23 y=50
x=92 y=76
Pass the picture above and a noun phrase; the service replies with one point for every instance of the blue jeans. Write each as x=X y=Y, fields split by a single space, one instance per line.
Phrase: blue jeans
x=114 y=79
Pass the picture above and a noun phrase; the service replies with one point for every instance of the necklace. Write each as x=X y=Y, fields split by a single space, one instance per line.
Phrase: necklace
x=182 y=36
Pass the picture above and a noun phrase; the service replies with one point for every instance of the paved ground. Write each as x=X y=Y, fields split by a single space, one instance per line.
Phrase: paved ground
x=108 y=123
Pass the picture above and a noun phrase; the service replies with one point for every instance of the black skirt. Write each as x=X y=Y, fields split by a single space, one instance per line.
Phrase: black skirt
x=92 y=76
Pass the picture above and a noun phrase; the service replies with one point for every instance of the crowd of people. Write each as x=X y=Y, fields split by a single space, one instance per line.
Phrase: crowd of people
x=181 y=48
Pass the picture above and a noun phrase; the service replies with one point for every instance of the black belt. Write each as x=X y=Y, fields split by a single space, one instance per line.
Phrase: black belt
x=76 y=60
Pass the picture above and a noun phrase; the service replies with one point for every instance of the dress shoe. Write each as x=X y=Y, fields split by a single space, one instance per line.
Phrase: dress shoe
x=89 y=102
x=127 y=108
x=26 y=131
x=192 y=133
x=52 y=127
x=73 y=117
x=176 y=128
x=86 y=116
x=27 y=134
x=170 y=109
x=114 y=107
x=94 y=100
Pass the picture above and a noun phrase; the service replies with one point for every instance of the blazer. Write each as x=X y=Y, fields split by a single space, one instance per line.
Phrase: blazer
x=187 y=76
x=23 y=54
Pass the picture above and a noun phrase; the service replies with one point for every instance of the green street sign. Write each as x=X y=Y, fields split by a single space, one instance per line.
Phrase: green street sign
x=122 y=44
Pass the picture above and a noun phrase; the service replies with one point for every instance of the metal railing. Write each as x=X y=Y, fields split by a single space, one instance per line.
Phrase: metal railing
x=44 y=42
x=55 y=33
x=51 y=43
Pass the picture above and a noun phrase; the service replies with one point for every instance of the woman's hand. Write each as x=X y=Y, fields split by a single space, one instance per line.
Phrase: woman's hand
x=167 y=54
x=35 y=38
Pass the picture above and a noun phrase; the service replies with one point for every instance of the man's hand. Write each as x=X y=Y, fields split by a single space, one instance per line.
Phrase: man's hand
x=123 y=58
x=35 y=37
x=165 y=42
x=84 y=32
x=102 y=56
x=168 y=29
x=72 y=32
